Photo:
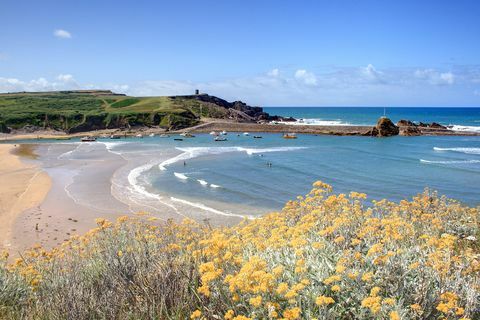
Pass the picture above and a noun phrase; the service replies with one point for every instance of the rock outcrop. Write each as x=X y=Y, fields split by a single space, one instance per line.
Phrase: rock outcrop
x=384 y=128
x=432 y=125
x=237 y=110
x=410 y=131
x=408 y=128
x=405 y=123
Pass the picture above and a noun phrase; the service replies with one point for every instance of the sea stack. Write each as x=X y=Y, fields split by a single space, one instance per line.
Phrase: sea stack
x=385 y=128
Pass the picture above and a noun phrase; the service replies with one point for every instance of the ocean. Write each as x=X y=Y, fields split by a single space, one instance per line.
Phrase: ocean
x=244 y=176
x=461 y=119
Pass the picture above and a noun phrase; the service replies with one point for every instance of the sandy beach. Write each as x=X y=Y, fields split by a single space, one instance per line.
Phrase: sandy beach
x=85 y=182
x=23 y=186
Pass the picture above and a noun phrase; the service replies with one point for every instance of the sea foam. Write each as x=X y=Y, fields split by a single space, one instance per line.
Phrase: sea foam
x=449 y=161
x=455 y=127
x=316 y=122
x=202 y=182
x=194 y=152
x=462 y=150
x=180 y=176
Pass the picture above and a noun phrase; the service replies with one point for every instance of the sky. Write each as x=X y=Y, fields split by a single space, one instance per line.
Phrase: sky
x=263 y=52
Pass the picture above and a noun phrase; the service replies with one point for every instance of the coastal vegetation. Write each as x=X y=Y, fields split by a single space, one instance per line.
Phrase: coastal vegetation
x=324 y=256
x=79 y=111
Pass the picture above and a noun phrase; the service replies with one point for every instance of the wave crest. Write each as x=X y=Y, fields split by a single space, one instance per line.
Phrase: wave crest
x=449 y=161
x=462 y=150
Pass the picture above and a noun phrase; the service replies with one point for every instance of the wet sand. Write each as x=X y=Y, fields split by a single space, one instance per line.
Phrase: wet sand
x=90 y=182
x=23 y=186
x=61 y=214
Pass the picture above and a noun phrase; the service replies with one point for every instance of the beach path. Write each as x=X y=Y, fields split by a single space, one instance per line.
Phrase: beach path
x=22 y=186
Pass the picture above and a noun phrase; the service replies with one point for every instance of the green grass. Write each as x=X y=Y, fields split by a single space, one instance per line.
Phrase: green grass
x=75 y=111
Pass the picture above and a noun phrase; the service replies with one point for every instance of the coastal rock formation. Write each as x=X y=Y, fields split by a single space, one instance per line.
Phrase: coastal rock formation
x=410 y=131
x=237 y=110
x=432 y=125
x=408 y=128
x=405 y=123
x=384 y=128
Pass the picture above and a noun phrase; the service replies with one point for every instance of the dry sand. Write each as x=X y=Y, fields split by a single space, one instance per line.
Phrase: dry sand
x=22 y=186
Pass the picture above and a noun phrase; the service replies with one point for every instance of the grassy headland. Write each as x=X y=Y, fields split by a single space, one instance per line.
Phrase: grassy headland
x=80 y=111
x=325 y=256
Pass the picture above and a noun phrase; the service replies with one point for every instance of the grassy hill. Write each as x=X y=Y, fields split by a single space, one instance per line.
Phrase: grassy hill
x=85 y=110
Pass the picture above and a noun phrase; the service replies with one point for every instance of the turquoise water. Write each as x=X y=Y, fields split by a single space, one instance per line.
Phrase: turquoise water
x=461 y=118
x=234 y=176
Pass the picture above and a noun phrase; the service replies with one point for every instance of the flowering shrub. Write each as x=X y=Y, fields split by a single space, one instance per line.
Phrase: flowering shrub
x=325 y=256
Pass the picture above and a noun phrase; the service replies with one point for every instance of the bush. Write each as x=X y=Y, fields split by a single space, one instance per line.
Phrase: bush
x=324 y=256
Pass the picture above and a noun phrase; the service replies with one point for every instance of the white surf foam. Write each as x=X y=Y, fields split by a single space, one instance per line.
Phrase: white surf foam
x=204 y=207
x=180 y=176
x=462 y=150
x=193 y=152
x=67 y=155
x=202 y=182
x=110 y=146
x=455 y=127
x=214 y=185
x=316 y=122
x=133 y=176
x=450 y=161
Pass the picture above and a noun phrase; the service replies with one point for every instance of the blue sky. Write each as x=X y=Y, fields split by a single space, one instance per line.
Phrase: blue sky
x=395 y=53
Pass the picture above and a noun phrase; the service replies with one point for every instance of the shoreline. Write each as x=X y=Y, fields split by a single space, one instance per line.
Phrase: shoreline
x=24 y=186
x=84 y=188
x=60 y=215
x=231 y=126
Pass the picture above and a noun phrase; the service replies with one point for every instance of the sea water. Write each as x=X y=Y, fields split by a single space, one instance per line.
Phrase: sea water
x=461 y=119
x=248 y=176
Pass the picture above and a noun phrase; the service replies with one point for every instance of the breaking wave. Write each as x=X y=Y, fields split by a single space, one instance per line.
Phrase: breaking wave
x=194 y=152
x=449 y=161
x=462 y=150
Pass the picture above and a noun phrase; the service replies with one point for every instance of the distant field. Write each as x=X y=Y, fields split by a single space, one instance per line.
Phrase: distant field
x=78 y=111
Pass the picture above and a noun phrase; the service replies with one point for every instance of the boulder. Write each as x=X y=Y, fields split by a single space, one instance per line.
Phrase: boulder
x=410 y=131
x=405 y=123
x=436 y=126
x=385 y=128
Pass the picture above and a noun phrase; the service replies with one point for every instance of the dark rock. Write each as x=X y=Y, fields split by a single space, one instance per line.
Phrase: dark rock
x=437 y=126
x=281 y=119
x=371 y=133
x=245 y=112
x=385 y=128
x=405 y=123
x=30 y=128
x=423 y=125
x=410 y=131
x=4 y=128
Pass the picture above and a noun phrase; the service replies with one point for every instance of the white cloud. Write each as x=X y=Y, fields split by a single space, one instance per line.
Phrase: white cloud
x=435 y=77
x=63 y=82
x=447 y=77
x=62 y=34
x=306 y=77
x=333 y=86
x=65 y=78
x=372 y=74
x=274 y=73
